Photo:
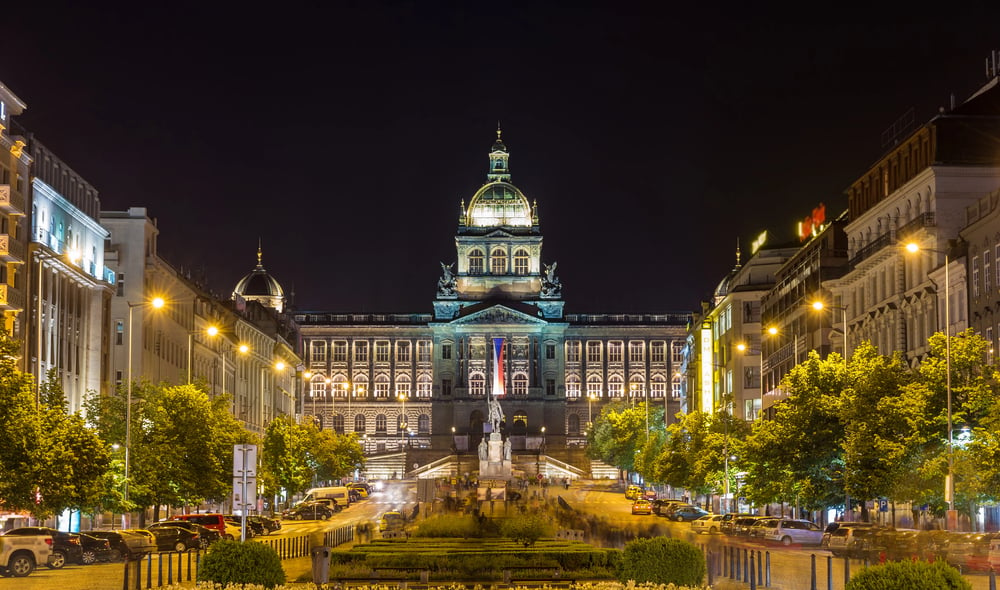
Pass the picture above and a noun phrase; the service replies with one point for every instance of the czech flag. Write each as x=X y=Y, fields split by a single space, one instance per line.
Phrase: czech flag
x=498 y=367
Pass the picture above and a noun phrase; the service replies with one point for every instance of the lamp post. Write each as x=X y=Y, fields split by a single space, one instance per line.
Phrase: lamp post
x=210 y=331
x=820 y=306
x=402 y=418
x=155 y=303
x=949 y=481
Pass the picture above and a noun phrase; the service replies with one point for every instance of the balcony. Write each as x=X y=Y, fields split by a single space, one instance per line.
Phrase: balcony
x=11 y=299
x=11 y=202
x=10 y=249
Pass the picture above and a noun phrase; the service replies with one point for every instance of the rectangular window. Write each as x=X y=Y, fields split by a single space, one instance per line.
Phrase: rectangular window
x=550 y=387
x=340 y=351
x=573 y=351
x=615 y=352
x=424 y=388
x=593 y=352
x=550 y=352
x=975 y=276
x=636 y=352
x=119 y=332
x=986 y=272
x=118 y=378
x=318 y=351
x=381 y=351
x=446 y=351
x=403 y=352
x=120 y=285
x=361 y=352
x=446 y=387
x=657 y=352
x=423 y=351
x=676 y=352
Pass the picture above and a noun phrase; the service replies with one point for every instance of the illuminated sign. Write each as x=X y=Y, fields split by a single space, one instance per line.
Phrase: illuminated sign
x=813 y=223
x=3 y=111
x=759 y=242
x=706 y=368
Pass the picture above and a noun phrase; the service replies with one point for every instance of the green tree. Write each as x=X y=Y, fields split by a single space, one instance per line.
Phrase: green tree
x=335 y=456
x=19 y=431
x=618 y=434
x=286 y=460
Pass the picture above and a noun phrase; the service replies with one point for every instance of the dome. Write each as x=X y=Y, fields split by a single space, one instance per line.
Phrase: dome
x=260 y=286
x=499 y=204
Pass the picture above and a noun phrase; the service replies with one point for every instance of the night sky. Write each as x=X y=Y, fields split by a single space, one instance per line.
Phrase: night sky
x=345 y=139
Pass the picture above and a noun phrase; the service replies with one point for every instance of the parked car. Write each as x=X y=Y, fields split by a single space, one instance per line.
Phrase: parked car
x=254 y=527
x=125 y=544
x=213 y=520
x=391 y=520
x=760 y=526
x=171 y=537
x=789 y=530
x=728 y=520
x=661 y=507
x=642 y=506
x=308 y=511
x=649 y=494
x=852 y=541
x=267 y=524
x=686 y=513
x=707 y=524
x=969 y=552
x=66 y=547
x=364 y=490
x=95 y=549
x=206 y=535
x=741 y=525
x=20 y=554
x=632 y=492
x=824 y=543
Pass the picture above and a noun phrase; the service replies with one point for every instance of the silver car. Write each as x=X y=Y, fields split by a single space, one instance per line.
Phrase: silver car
x=787 y=531
x=710 y=523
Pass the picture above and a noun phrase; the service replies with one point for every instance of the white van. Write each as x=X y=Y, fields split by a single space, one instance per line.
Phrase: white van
x=338 y=494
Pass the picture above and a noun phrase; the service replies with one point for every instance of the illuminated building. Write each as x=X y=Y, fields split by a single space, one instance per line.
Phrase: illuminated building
x=14 y=175
x=363 y=364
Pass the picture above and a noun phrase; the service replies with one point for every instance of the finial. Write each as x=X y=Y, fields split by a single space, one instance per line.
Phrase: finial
x=737 y=251
x=498 y=130
x=260 y=251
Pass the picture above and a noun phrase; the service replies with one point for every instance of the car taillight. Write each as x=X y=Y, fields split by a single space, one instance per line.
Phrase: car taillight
x=48 y=541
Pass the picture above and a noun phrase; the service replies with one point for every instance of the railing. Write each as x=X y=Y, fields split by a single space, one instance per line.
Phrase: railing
x=879 y=243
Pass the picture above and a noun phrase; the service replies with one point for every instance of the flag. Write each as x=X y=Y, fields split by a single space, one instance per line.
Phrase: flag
x=498 y=368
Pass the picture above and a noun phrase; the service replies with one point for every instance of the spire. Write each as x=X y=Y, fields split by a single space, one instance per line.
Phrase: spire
x=498 y=160
x=260 y=252
x=738 y=253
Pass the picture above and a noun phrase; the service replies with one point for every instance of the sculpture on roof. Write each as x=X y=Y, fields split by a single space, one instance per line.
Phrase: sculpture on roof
x=446 y=284
x=551 y=287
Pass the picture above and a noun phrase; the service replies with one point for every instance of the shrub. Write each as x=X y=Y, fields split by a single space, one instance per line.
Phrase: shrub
x=525 y=528
x=233 y=562
x=662 y=561
x=912 y=575
x=465 y=526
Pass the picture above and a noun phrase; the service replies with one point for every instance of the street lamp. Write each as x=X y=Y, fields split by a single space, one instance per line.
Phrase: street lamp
x=590 y=413
x=210 y=331
x=949 y=481
x=820 y=306
x=155 y=303
x=401 y=425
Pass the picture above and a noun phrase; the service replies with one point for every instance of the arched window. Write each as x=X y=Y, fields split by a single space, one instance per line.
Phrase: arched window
x=477 y=384
x=520 y=383
x=658 y=387
x=676 y=387
x=574 y=424
x=573 y=387
x=381 y=386
x=521 y=262
x=401 y=424
x=380 y=423
x=424 y=385
x=360 y=386
x=616 y=386
x=359 y=423
x=424 y=424
x=403 y=386
x=476 y=262
x=498 y=261
x=637 y=387
x=317 y=387
x=594 y=387
x=520 y=420
x=337 y=423
x=339 y=386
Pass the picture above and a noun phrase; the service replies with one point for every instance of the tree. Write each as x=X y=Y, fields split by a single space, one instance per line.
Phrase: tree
x=618 y=434
x=19 y=431
x=286 y=456
x=336 y=455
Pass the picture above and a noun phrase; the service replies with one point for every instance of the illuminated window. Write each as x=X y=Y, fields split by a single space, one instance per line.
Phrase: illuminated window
x=380 y=423
x=401 y=424
x=361 y=352
x=593 y=352
x=477 y=384
x=520 y=384
x=594 y=387
x=446 y=350
x=636 y=352
x=498 y=261
x=658 y=387
x=573 y=351
x=403 y=352
x=616 y=386
x=381 y=386
x=359 y=423
x=338 y=423
x=403 y=386
x=317 y=387
x=381 y=351
x=975 y=276
x=637 y=388
x=677 y=387
x=573 y=387
x=423 y=351
x=339 y=386
x=520 y=420
x=340 y=352
x=986 y=272
x=476 y=262
x=360 y=386
x=521 y=262
x=318 y=351
x=676 y=352
x=614 y=352
x=424 y=385
x=657 y=352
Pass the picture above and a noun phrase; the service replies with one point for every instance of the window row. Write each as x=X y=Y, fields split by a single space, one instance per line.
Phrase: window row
x=339 y=387
x=383 y=353
x=499 y=261
x=617 y=388
x=336 y=423
x=615 y=351
x=518 y=384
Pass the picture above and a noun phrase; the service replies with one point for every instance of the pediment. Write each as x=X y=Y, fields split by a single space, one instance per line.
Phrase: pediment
x=499 y=314
x=499 y=233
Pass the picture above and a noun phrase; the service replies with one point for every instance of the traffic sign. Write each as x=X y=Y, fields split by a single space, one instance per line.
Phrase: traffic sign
x=245 y=460
x=244 y=498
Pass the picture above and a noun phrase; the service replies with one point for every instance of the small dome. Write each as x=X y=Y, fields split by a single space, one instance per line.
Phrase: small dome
x=499 y=204
x=260 y=286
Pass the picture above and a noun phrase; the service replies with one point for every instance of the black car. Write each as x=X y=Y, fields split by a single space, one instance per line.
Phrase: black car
x=308 y=511
x=254 y=527
x=177 y=535
x=95 y=549
x=125 y=544
x=267 y=524
x=65 y=546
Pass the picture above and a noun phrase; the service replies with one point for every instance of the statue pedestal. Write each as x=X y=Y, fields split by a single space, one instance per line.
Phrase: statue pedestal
x=495 y=466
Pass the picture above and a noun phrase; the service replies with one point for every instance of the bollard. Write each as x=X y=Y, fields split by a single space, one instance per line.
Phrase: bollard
x=125 y=582
x=829 y=572
x=753 y=578
x=746 y=568
x=847 y=570
x=767 y=563
x=993 y=579
x=812 y=571
x=760 y=571
x=320 y=565
x=149 y=570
